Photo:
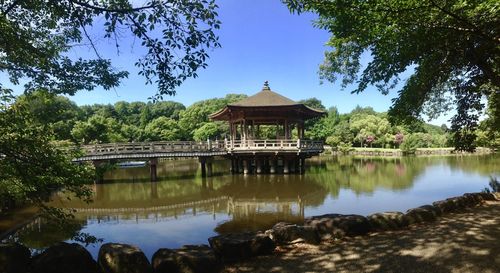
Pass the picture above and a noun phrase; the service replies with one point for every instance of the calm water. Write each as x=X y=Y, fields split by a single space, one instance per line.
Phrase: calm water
x=184 y=209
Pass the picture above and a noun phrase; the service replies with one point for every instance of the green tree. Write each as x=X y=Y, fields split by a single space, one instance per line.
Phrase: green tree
x=210 y=130
x=97 y=129
x=448 y=47
x=58 y=112
x=169 y=109
x=323 y=127
x=36 y=36
x=197 y=114
x=162 y=128
x=32 y=167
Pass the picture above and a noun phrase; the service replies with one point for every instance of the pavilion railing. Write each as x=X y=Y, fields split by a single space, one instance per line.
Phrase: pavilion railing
x=271 y=144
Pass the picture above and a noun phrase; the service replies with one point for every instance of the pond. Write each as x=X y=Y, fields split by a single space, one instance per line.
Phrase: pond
x=184 y=208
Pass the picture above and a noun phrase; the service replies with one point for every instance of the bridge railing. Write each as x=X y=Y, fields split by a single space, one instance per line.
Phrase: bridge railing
x=271 y=144
x=154 y=147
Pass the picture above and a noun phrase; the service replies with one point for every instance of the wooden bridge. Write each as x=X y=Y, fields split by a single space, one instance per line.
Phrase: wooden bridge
x=246 y=155
x=147 y=150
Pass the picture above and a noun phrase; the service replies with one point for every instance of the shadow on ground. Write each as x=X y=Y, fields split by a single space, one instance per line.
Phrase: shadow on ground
x=462 y=242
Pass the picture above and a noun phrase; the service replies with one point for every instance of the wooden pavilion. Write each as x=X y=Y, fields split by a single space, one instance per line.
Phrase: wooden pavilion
x=286 y=151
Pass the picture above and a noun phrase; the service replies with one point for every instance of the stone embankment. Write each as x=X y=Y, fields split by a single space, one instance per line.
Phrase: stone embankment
x=223 y=249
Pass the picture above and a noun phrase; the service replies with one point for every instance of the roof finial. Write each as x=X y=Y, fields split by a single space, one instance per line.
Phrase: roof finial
x=266 y=86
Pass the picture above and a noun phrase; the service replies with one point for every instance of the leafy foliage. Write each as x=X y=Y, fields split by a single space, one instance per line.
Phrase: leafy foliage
x=450 y=48
x=35 y=37
x=32 y=168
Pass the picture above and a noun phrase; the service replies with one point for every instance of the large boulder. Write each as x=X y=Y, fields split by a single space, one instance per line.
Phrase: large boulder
x=388 y=220
x=188 y=259
x=14 y=258
x=64 y=258
x=122 y=258
x=338 y=225
x=425 y=213
x=240 y=246
x=282 y=233
x=473 y=199
x=445 y=206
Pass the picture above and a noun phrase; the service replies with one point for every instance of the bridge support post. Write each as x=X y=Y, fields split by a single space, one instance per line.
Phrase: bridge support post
x=99 y=172
x=152 y=169
x=286 y=165
x=209 y=168
x=302 y=165
x=203 y=161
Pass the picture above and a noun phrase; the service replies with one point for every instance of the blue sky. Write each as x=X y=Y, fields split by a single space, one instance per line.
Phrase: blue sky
x=261 y=40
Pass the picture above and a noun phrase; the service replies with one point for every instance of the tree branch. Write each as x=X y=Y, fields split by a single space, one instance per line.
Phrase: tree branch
x=117 y=10
x=13 y=5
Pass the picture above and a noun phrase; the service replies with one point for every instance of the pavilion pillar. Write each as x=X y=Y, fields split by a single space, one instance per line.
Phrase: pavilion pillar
x=233 y=167
x=258 y=165
x=272 y=165
x=286 y=129
x=237 y=165
x=286 y=166
x=292 y=165
x=246 y=166
x=152 y=169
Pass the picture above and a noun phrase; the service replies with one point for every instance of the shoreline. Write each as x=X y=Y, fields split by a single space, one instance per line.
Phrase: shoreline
x=464 y=241
x=359 y=151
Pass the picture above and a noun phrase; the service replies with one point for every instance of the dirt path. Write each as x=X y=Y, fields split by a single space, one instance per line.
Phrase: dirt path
x=460 y=242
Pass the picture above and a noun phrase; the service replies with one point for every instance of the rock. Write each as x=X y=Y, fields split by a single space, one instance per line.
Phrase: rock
x=421 y=214
x=436 y=211
x=459 y=202
x=240 y=246
x=286 y=232
x=64 y=258
x=388 y=220
x=338 y=225
x=497 y=195
x=188 y=259
x=445 y=206
x=122 y=258
x=14 y=258
x=473 y=199
x=489 y=196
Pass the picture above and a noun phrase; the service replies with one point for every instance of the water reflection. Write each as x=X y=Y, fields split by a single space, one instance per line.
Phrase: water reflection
x=184 y=208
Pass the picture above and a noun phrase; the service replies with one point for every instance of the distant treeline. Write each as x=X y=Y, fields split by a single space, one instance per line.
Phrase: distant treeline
x=169 y=120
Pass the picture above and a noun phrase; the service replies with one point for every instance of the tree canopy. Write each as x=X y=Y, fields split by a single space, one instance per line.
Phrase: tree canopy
x=36 y=36
x=451 y=48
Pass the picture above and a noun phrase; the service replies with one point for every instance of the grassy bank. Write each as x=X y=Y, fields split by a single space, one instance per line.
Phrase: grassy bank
x=399 y=152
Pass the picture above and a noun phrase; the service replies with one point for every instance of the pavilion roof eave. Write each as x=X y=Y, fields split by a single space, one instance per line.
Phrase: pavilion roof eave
x=223 y=114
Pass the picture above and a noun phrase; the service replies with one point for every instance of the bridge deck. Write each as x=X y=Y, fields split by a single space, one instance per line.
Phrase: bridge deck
x=163 y=149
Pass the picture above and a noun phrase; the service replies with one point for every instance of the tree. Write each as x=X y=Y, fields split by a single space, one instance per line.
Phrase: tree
x=210 y=130
x=97 y=129
x=162 y=128
x=448 y=47
x=32 y=166
x=36 y=35
x=58 y=112
x=197 y=114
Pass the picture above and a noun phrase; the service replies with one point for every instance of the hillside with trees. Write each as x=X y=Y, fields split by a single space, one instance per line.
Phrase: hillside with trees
x=169 y=120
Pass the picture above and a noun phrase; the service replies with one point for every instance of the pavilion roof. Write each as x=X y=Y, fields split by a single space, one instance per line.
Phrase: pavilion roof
x=267 y=99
